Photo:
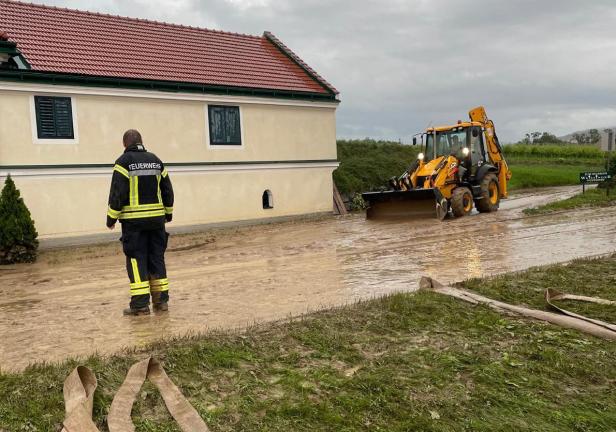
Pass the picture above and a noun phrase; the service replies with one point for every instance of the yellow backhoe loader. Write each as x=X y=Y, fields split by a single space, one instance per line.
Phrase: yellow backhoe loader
x=461 y=166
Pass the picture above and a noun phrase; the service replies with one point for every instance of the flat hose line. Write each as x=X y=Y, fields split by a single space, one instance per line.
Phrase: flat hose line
x=80 y=385
x=564 y=318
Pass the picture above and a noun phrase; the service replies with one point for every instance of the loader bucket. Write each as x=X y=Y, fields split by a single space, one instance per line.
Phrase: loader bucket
x=413 y=204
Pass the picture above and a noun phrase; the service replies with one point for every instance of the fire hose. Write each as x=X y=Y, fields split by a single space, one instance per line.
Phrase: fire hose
x=80 y=385
x=564 y=318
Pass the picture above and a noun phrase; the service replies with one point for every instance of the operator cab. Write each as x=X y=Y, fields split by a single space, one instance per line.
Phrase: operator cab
x=464 y=141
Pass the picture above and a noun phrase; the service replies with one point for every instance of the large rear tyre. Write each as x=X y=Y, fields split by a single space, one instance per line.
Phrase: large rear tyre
x=490 y=194
x=461 y=201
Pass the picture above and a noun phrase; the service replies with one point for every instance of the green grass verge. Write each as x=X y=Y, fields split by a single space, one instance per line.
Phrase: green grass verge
x=590 y=277
x=401 y=363
x=592 y=198
x=532 y=175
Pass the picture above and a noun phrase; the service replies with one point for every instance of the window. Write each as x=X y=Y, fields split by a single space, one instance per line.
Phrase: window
x=268 y=199
x=224 y=124
x=54 y=117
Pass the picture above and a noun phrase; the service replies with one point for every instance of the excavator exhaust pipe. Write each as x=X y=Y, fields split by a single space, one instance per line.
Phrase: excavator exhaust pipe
x=411 y=205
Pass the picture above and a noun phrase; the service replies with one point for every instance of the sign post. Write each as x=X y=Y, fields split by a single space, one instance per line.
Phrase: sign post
x=594 y=178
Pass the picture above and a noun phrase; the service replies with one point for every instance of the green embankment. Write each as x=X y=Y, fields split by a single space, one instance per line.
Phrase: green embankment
x=405 y=362
x=591 y=198
x=366 y=165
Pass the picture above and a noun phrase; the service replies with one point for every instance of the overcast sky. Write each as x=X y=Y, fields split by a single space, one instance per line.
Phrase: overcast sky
x=547 y=65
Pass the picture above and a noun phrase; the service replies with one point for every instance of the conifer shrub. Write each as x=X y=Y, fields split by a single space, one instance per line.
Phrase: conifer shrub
x=18 y=236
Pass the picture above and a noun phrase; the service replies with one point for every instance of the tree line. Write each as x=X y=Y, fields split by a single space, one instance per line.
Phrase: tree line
x=589 y=137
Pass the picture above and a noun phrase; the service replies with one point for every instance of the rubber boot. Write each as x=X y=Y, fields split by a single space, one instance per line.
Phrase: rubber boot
x=136 y=312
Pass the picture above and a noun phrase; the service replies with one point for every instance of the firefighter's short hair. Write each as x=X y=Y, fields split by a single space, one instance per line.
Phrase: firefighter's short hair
x=131 y=137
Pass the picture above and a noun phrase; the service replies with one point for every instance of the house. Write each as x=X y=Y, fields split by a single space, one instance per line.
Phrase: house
x=245 y=127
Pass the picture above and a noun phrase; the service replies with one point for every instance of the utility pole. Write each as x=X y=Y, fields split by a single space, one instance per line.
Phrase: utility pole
x=610 y=142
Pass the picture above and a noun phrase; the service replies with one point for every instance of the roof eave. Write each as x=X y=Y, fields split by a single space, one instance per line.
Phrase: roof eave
x=56 y=78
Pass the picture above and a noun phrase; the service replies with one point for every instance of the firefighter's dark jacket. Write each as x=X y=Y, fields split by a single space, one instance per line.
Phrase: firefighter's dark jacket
x=141 y=194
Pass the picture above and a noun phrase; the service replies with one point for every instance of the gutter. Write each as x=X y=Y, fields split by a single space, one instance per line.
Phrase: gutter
x=54 y=78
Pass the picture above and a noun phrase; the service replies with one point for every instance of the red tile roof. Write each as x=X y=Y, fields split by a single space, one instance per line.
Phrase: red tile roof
x=69 y=41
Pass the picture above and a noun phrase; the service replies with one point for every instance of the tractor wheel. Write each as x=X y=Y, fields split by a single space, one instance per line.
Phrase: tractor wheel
x=461 y=201
x=490 y=195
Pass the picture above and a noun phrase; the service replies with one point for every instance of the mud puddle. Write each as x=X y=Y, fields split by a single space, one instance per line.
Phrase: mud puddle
x=70 y=303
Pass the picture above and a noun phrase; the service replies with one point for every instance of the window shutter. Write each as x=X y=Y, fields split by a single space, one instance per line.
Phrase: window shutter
x=233 y=126
x=224 y=122
x=44 y=117
x=54 y=117
x=217 y=125
x=64 y=117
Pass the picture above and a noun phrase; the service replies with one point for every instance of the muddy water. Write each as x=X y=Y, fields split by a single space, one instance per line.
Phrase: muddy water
x=70 y=303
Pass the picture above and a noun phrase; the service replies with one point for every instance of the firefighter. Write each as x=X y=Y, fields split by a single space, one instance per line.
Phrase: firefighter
x=141 y=197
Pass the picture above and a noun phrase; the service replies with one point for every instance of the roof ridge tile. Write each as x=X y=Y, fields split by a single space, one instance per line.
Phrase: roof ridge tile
x=129 y=18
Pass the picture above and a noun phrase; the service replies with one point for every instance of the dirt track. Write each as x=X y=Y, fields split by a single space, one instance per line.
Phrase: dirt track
x=70 y=302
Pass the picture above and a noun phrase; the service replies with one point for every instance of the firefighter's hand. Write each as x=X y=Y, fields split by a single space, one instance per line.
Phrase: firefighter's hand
x=112 y=227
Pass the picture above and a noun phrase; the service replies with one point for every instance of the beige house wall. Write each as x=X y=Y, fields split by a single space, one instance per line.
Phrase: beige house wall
x=69 y=196
x=61 y=208
x=176 y=130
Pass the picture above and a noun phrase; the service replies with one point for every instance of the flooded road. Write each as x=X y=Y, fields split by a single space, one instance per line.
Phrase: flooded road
x=70 y=302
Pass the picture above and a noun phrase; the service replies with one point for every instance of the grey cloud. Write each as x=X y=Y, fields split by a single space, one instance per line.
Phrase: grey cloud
x=535 y=65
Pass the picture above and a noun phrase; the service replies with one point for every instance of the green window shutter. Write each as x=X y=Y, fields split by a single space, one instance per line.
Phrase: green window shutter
x=224 y=123
x=54 y=117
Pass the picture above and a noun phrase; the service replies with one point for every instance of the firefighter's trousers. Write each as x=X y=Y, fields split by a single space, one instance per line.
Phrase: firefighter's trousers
x=145 y=264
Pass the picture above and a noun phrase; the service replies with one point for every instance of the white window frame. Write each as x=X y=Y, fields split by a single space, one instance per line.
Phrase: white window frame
x=45 y=141
x=207 y=128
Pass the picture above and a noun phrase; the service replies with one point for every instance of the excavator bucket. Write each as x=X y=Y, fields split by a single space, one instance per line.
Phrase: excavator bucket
x=411 y=205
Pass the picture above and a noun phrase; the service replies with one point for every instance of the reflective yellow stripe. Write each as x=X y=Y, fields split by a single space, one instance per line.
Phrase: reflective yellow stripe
x=164 y=173
x=143 y=207
x=161 y=288
x=113 y=213
x=159 y=281
x=121 y=170
x=168 y=210
x=134 y=190
x=131 y=191
x=159 y=285
x=160 y=197
x=144 y=214
x=138 y=288
x=136 y=276
x=141 y=291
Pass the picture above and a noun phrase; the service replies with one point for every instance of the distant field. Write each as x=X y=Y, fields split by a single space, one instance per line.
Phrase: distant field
x=367 y=164
x=577 y=152
x=529 y=175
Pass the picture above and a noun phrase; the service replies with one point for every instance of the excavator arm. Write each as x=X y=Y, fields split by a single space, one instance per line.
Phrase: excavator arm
x=495 y=152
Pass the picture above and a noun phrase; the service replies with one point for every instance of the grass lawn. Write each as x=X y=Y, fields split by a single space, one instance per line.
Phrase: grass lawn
x=528 y=174
x=405 y=362
x=591 y=198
